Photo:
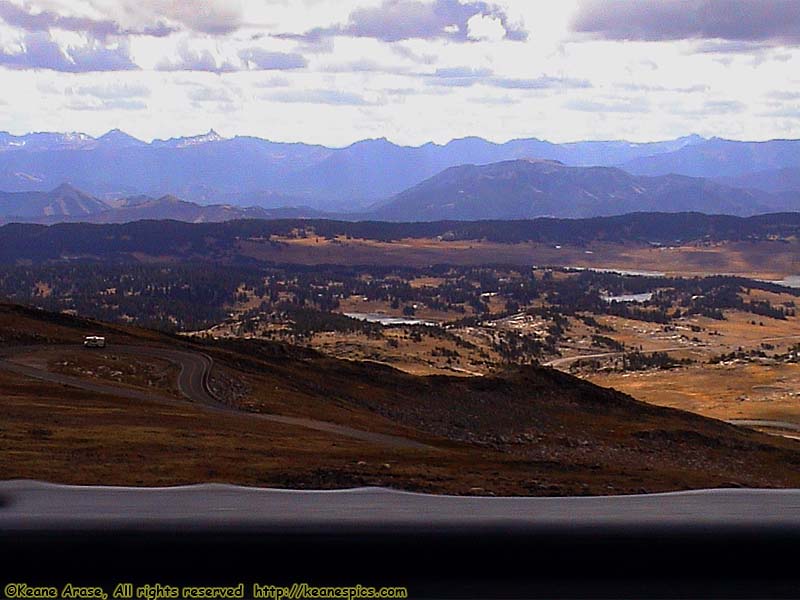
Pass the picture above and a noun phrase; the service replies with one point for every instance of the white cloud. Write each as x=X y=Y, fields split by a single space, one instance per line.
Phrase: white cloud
x=230 y=66
x=486 y=28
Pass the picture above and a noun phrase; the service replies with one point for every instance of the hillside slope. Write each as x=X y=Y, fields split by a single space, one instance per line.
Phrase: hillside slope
x=68 y=204
x=62 y=203
x=530 y=431
x=524 y=189
x=719 y=157
x=774 y=181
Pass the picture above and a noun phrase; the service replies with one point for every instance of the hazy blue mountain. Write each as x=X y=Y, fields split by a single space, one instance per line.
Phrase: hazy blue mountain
x=719 y=158
x=523 y=189
x=62 y=203
x=117 y=139
x=588 y=154
x=354 y=177
x=68 y=204
x=198 y=171
x=172 y=208
x=773 y=180
x=211 y=169
x=373 y=169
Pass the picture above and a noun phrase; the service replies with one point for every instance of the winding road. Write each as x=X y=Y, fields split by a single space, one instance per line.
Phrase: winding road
x=561 y=362
x=768 y=424
x=193 y=383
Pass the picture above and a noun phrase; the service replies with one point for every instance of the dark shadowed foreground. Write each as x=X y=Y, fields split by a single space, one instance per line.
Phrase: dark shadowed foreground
x=715 y=543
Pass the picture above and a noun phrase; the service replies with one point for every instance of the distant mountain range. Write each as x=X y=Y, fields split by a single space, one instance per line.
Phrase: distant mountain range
x=516 y=189
x=524 y=189
x=717 y=157
x=372 y=178
x=247 y=170
x=68 y=204
x=774 y=181
x=63 y=203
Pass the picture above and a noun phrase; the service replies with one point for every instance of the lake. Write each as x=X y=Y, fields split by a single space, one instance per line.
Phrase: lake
x=792 y=281
x=387 y=320
x=629 y=297
x=620 y=271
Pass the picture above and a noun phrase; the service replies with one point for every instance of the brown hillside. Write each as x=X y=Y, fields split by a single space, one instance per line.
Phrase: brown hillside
x=527 y=431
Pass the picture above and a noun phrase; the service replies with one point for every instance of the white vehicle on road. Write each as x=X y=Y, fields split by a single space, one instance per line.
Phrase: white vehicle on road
x=94 y=341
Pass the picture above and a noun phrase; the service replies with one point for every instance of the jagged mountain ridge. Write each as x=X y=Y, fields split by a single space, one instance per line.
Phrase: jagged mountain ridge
x=212 y=169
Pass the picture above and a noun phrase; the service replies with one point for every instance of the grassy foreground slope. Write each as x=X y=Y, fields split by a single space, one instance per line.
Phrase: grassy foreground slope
x=529 y=431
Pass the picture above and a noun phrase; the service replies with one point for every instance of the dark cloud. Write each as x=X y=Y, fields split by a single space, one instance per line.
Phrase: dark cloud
x=459 y=76
x=462 y=72
x=729 y=47
x=262 y=60
x=253 y=59
x=334 y=97
x=782 y=113
x=768 y=22
x=115 y=104
x=467 y=76
x=640 y=87
x=723 y=106
x=206 y=94
x=18 y=16
x=407 y=53
x=273 y=82
x=41 y=52
x=784 y=95
x=195 y=60
x=111 y=91
x=365 y=65
x=160 y=18
x=540 y=83
x=709 y=108
x=214 y=17
x=612 y=106
x=396 y=20
x=495 y=101
x=96 y=57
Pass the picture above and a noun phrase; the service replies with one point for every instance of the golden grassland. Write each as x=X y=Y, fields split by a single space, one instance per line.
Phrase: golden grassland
x=737 y=390
x=761 y=389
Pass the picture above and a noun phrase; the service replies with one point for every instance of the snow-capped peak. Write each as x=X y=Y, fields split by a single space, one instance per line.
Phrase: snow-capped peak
x=211 y=136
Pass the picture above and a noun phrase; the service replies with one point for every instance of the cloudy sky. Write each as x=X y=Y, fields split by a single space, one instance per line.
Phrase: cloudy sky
x=335 y=71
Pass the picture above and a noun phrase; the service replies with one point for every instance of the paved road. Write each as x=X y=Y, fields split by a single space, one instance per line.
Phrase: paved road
x=30 y=506
x=560 y=362
x=192 y=379
x=193 y=384
x=787 y=425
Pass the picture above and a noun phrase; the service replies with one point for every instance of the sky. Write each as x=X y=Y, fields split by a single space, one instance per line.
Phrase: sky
x=413 y=71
